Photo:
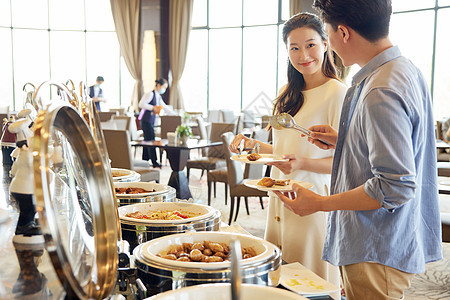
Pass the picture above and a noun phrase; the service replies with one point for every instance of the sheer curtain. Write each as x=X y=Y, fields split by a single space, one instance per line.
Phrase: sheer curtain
x=180 y=14
x=127 y=15
x=295 y=6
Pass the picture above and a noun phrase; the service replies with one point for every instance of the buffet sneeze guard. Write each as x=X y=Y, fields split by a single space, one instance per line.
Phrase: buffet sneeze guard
x=75 y=202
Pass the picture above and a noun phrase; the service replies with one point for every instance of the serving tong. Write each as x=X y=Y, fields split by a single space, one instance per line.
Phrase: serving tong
x=285 y=120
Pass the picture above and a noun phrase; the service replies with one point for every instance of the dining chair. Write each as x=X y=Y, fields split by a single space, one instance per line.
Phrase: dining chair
x=214 y=158
x=214 y=116
x=214 y=176
x=228 y=116
x=236 y=180
x=106 y=115
x=122 y=122
x=119 y=151
x=249 y=119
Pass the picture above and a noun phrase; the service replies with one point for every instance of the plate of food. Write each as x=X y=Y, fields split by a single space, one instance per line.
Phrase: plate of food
x=299 y=279
x=256 y=158
x=267 y=184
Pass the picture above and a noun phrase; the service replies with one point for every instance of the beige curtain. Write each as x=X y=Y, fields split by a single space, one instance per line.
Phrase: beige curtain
x=127 y=15
x=180 y=15
x=295 y=6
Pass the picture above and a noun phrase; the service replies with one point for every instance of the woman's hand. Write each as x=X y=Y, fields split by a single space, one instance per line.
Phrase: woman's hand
x=324 y=132
x=248 y=143
x=294 y=162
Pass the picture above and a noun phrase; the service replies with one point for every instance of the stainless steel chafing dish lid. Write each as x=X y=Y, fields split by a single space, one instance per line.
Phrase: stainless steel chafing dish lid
x=76 y=204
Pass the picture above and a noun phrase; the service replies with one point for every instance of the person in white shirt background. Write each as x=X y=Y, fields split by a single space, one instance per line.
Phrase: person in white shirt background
x=96 y=93
x=151 y=105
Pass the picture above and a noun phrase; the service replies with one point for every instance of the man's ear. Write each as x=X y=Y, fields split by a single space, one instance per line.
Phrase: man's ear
x=344 y=33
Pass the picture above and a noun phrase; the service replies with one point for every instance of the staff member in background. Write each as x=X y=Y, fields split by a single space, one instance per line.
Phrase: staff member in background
x=384 y=221
x=96 y=93
x=151 y=105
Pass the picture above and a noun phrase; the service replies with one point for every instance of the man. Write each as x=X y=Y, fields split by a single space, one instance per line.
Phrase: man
x=96 y=93
x=384 y=221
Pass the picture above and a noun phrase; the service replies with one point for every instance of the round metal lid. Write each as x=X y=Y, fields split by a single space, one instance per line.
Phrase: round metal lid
x=75 y=202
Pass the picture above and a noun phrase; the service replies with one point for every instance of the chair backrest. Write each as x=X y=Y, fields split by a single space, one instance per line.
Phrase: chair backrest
x=214 y=116
x=169 y=124
x=108 y=125
x=228 y=116
x=119 y=148
x=235 y=171
x=217 y=129
x=239 y=124
x=201 y=128
x=265 y=121
x=135 y=133
x=106 y=115
x=120 y=111
x=122 y=122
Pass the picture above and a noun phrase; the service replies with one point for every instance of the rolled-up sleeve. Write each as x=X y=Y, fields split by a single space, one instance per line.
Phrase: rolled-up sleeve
x=388 y=123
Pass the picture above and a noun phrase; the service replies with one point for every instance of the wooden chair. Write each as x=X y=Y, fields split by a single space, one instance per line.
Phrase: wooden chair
x=235 y=180
x=119 y=151
x=122 y=122
x=106 y=115
x=215 y=156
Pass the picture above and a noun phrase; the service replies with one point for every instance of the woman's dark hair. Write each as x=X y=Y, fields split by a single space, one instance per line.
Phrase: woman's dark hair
x=370 y=18
x=161 y=81
x=291 y=99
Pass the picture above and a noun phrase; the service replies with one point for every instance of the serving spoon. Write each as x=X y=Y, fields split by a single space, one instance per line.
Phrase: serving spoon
x=285 y=120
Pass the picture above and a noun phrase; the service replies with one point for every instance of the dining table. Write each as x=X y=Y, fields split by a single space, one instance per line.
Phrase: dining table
x=178 y=155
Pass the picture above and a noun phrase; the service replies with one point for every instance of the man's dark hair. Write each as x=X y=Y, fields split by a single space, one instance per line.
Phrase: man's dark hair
x=100 y=78
x=369 y=18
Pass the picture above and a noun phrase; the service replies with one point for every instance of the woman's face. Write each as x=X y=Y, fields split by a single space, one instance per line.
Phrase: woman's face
x=306 y=50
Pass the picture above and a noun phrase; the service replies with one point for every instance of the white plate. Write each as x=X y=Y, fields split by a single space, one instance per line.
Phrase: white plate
x=252 y=183
x=149 y=249
x=299 y=279
x=201 y=211
x=222 y=291
x=263 y=160
x=149 y=186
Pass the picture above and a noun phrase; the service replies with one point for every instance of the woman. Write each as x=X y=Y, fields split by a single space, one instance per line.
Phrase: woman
x=313 y=94
x=151 y=104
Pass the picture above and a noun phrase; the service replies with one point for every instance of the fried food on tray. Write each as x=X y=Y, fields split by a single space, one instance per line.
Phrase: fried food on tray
x=253 y=157
x=205 y=251
x=269 y=182
x=132 y=190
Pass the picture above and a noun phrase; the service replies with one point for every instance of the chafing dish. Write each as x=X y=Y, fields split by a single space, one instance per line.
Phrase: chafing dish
x=125 y=175
x=160 y=193
x=160 y=275
x=138 y=231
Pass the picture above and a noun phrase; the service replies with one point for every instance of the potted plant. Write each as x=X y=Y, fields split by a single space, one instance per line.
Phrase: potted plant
x=184 y=132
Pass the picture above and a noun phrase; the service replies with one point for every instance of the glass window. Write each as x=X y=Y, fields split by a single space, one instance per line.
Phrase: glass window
x=225 y=69
x=6 y=88
x=30 y=64
x=102 y=59
x=420 y=52
x=67 y=56
x=260 y=68
x=225 y=13
x=98 y=15
x=5 y=13
x=402 y=5
x=257 y=12
x=66 y=14
x=442 y=72
x=194 y=80
x=199 y=14
x=284 y=10
x=30 y=13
